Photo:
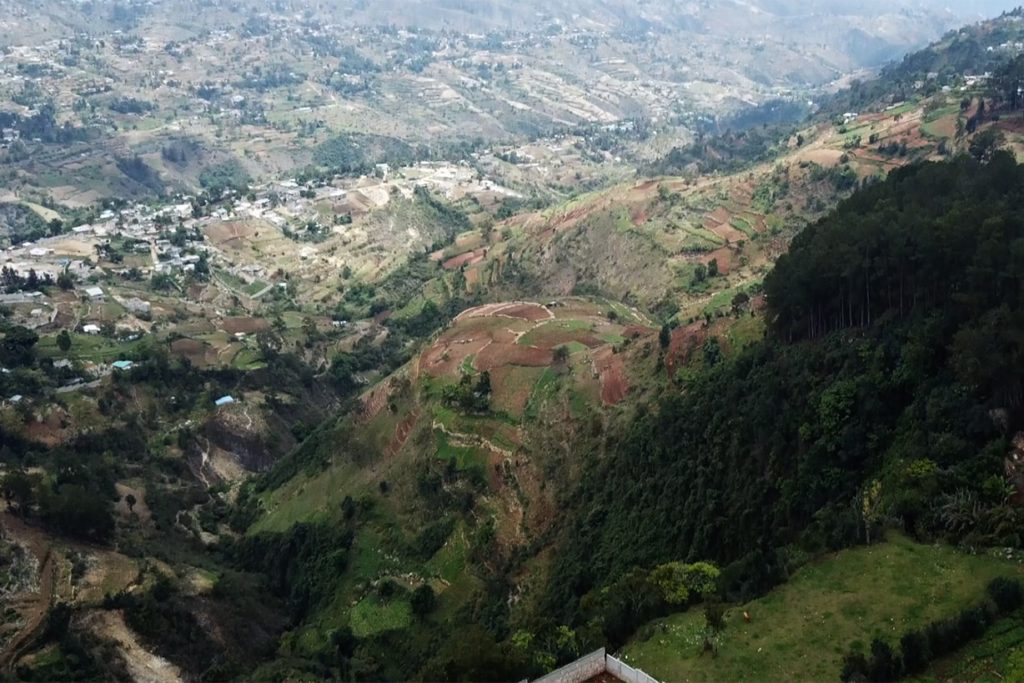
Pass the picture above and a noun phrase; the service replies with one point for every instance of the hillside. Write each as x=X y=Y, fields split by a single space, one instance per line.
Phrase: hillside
x=370 y=407
x=626 y=509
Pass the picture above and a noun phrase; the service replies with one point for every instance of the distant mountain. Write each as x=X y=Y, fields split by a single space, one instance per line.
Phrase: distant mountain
x=842 y=35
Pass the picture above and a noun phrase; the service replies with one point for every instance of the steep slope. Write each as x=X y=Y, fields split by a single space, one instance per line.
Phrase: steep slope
x=451 y=473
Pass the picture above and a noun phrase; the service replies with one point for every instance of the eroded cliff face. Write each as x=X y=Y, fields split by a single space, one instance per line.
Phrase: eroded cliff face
x=238 y=440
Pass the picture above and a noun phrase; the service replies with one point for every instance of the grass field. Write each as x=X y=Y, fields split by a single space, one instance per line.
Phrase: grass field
x=87 y=347
x=801 y=630
x=743 y=226
x=373 y=615
x=465 y=458
x=996 y=657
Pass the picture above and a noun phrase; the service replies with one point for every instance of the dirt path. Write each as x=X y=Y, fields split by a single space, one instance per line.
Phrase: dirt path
x=473 y=440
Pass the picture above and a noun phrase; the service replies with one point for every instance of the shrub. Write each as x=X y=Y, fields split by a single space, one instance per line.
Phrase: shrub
x=1006 y=594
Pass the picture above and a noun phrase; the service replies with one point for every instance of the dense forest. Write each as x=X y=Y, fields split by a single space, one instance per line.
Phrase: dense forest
x=883 y=395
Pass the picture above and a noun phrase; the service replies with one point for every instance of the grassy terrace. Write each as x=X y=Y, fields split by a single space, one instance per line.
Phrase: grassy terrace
x=801 y=630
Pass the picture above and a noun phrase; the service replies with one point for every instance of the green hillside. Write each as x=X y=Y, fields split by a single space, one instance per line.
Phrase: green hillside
x=802 y=630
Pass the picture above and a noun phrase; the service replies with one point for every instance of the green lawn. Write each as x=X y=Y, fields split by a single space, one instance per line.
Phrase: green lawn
x=801 y=630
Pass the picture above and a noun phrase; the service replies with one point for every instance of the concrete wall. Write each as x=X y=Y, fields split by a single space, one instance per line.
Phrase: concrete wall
x=582 y=669
x=594 y=664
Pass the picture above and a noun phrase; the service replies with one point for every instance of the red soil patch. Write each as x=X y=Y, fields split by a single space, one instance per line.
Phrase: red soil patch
x=374 y=401
x=721 y=214
x=445 y=357
x=728 y=233
x=244 y=325
x=573 y=217
x=464 y=259
x=612 y=370
x=533 y=312
x=497 y=355
x=724 y=258
x=684 y=341
x=402 y=432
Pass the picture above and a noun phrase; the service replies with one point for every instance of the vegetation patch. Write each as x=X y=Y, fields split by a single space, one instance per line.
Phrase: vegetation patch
x=374 y=615
x=800 y=631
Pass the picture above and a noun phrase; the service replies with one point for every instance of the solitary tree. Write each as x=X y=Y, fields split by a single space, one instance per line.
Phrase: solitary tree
x=561 y=354
x=665 y=336
x=64 y=341
x=423 y=600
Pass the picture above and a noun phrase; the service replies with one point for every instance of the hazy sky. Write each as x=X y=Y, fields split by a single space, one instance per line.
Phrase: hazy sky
x=986 y=8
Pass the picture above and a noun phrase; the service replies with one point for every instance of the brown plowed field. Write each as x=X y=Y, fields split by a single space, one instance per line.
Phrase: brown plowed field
x=467 y=258
x=728 y=233
x=724 y=258
x=612 y=369
x=374 y=401
x=192 y=349
x=444 y=358
x=222 y=233
x=244 y=325
x=497 y=355
x=525 y=311
x=721 y=214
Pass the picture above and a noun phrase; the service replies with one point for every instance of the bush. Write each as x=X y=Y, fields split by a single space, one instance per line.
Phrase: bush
x=884 y=664
x=1006 y=594
x=938 y=639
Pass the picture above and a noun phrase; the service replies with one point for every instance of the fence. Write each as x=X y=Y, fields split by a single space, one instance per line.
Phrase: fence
x=595 y=664
x=624 y=672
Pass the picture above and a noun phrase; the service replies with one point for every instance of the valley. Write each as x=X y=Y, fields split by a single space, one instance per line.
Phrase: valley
x=458 y=346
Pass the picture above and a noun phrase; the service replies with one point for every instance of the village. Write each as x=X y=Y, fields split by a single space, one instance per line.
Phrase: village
x=155 y=268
